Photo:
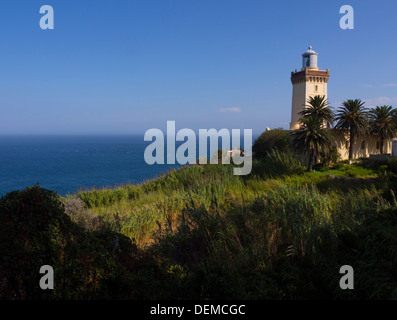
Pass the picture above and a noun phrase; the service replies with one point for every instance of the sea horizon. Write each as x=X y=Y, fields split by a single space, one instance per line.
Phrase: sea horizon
x=69 y=163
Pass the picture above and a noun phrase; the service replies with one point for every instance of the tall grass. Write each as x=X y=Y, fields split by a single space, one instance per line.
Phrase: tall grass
x=143 y=207
x=202 y=233
x=286 y=244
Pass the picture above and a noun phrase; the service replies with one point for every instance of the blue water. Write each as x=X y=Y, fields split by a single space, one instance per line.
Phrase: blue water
x=66 y=164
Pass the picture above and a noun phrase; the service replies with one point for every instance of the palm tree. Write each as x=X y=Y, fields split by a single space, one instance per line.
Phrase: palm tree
x=394 y=118
x=318 y=107
x=381 y=123
x=312 y=137
x=352 y=116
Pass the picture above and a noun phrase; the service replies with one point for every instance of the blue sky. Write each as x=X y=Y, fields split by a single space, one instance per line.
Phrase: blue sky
x=118 y=67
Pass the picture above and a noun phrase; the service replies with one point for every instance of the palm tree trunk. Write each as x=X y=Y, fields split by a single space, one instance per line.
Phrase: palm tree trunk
x=381 y=145
x=316 y=156
x=310 y=165
x=351 y=144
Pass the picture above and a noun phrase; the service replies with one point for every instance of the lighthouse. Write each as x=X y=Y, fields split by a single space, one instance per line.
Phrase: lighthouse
x=306 y=83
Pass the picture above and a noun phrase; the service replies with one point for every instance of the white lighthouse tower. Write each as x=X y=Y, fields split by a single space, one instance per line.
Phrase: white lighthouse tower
x=308 y=82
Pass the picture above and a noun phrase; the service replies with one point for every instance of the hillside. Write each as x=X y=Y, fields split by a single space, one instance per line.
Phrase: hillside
x=202 y=233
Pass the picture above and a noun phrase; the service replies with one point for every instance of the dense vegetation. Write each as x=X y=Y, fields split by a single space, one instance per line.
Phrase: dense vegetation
x=200 y=232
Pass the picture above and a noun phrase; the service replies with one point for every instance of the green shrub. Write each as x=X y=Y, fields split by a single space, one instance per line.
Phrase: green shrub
x=272 y=140
x=392 y=164
x=35 y=231
x=352 y=170
x=331 y=157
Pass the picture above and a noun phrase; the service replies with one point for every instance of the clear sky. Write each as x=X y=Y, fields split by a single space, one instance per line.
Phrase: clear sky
x=117 y=67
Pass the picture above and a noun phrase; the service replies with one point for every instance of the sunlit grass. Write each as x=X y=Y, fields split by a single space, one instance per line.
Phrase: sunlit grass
x=144 y=207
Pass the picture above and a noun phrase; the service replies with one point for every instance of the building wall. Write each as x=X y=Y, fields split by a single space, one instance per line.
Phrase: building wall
x=298 y=97
x=371 y=147
x=363 y=146
x=314 y=87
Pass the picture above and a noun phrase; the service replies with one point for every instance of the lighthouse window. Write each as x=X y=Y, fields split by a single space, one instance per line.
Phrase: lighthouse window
x=316 y=88
x=306 y=62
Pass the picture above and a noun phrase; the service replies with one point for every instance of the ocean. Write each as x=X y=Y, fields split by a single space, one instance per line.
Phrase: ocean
x=67 y=164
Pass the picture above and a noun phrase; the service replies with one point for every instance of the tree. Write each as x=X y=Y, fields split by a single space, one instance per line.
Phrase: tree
x=318 y=107
x=268 y=141
x=352 y=116
x=381 y=124
x=394 y=118
x=312 y=138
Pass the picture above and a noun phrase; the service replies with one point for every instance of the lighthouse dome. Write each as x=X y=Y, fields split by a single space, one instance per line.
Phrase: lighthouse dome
x=310 y=52
x=310 y=59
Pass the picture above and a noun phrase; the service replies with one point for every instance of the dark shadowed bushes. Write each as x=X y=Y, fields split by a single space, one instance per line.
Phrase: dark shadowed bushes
x=288 y=244
x=35 y=231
